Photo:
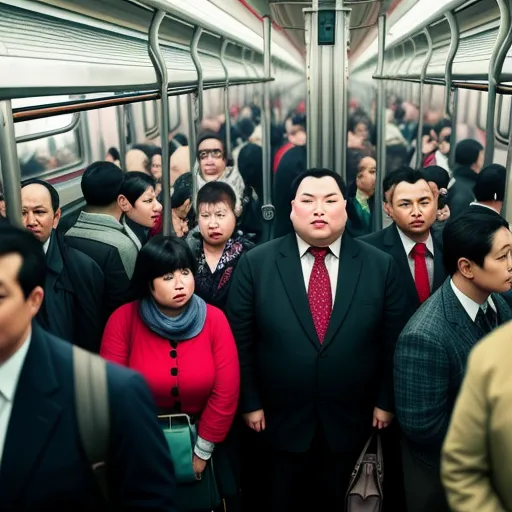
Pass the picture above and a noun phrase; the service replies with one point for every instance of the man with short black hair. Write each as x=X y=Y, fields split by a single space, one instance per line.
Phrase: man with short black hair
x=490 y=188
x=432 y=350
x=99 y=233
x=315 y=315
x=74 y=282
x=411 y=203
x=43 y=465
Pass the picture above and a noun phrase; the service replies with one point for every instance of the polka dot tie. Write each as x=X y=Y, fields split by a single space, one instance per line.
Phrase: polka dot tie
x=319 y=293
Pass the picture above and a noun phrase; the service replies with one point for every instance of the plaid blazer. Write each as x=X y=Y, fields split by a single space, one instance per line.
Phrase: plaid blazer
x=429 y=366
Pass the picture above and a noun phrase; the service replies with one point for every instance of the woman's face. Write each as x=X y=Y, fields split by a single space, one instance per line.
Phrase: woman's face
x=173 y=291
x=156 y=166
x=216 y=223
x=146 y=210
x=211 y=159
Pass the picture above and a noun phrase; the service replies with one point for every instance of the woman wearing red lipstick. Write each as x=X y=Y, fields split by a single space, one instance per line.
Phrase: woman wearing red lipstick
x=182 y=346
x=216 y=246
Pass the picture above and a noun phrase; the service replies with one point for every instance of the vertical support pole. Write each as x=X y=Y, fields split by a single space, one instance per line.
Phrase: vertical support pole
x=192 y=143
x=267 y=209
x=223 y=49
x=506 y=209
x=381 y=126
x=452 y=52
x=121 y=130
x=194 y=45
x=499 y=53
x=158 y=61
x=419 y=139
x=10 y=164
x=453 y=136
x=327 y=35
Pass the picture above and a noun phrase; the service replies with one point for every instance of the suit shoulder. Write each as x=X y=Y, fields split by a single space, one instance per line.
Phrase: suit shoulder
x=84 y=262
x=428 y=320
x=374 y=239
x=372 y=251
x=265 y=250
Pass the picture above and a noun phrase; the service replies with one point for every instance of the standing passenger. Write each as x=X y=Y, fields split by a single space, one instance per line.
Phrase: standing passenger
x=315 y=315
x=432 y=350
x=74 y=284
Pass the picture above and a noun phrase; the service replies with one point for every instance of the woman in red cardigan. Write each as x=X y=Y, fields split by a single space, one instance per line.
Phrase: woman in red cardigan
x=183 y=347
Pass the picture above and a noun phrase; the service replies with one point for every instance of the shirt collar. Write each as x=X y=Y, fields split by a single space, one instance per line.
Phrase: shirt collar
x=470 y=306
x=10 y=371
x=335 y=247
x=476 y=203
x=46 y=245
x=409 y=244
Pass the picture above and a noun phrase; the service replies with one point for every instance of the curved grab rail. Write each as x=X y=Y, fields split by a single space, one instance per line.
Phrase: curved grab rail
x=194 y=45
x=223 y=50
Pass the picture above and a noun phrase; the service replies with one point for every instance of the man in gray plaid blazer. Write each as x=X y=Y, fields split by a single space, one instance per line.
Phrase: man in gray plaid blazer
x=431 y=353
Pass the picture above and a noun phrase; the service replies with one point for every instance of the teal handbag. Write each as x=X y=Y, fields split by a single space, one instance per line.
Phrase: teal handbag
x=193 y=494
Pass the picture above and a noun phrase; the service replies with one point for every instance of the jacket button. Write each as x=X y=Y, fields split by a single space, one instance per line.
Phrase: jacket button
x=175 y=391
x=174 y=372
x=173 y=354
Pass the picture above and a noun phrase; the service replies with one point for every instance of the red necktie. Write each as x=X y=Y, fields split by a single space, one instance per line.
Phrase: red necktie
x=419 y=253
x=319 y=293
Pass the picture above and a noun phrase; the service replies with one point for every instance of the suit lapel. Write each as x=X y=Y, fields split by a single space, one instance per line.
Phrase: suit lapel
x=34 y=415
x=348 y=276
x=395 y=247
x=290 y=269
x=439 y=271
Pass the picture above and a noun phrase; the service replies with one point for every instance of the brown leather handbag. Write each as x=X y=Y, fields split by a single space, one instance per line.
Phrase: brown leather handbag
x=365 y=490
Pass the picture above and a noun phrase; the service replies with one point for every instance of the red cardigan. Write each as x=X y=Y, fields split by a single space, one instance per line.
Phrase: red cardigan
x=200 y=376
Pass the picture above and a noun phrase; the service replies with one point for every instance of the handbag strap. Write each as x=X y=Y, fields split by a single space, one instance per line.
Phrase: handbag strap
x=380 y=458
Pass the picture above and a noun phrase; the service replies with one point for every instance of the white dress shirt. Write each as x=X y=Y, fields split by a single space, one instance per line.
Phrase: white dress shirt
x=429 y=257
x=470 y=306
x=332 y=259
x=9 y=376
x=46 y=245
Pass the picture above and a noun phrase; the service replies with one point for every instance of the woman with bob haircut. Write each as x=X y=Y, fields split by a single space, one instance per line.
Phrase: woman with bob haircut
x=137 y=199
x=183 y=347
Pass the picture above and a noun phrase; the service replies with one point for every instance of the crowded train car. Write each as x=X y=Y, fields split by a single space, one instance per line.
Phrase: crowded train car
x=255 y=255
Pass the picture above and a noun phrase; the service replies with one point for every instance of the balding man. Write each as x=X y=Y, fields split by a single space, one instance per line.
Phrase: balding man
x=74 y=282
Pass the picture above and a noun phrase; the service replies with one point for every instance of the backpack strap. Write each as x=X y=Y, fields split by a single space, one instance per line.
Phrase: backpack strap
x=92 y=411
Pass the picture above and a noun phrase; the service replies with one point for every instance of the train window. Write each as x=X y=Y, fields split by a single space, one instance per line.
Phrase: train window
x=45 y=146
x=150 y=111
x=482 y=111
x=175 y=112
x=504 y=115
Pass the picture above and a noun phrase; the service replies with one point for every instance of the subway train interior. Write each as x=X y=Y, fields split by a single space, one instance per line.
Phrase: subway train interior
x=360 y=88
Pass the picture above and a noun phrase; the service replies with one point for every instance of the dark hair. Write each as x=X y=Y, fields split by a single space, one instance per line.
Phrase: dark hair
x=490 y=183
x=470 y=235
x=211 y=135
x=438 y=175
x=157 y=151
x=32 y=272
x=181 y=138
x=161 y=255
x=114 y=153
x=404 y=174
x=147 y=149
x=182 y=190
x=216 y=192
x=354 y=120
x=54 y=195
x=299 y=120
x=319 y=173
x=135 y=184
x=467 y=151
x=245 y=127
x=101 y=183
x=444 y=123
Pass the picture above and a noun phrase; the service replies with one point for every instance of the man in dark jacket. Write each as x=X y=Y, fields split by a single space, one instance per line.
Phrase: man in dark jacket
x=99 y=233
x=74 y=282
x=469 y=160
x=315 y=315
x=43 y=463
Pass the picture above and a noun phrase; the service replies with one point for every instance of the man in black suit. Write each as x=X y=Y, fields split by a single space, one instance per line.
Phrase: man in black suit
x=42 y=463
x=315 y=315
x=412 y=205
x=74 y=284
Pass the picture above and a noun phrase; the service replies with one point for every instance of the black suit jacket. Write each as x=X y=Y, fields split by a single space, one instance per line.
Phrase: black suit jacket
x=43 y=465
x=73 y=295
x=284 y=368
x=389 y=241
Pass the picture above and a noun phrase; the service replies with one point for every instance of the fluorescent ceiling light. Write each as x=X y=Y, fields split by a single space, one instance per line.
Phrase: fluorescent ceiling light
x=413 y=18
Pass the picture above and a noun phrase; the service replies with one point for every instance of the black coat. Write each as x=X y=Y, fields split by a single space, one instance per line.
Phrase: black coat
x=43 y=465
x=73 y=294
x=286 y=371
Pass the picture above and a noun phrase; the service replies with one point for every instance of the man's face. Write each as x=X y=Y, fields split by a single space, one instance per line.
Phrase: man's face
x=37 y=211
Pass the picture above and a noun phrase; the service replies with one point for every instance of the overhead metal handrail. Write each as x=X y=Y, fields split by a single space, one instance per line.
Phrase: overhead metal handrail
x=414 y=51
x=158 y=60
x=381 y=127
x=194 y=45
x=10 y=165
x=227 y=115
x=267 y=209
x=500 y=50
x=452 y=52
x=75 y=120
x=419 y=139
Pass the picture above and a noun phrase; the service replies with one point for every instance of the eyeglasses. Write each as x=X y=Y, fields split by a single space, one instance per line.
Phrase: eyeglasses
x=215 y=153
